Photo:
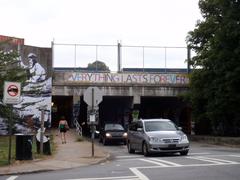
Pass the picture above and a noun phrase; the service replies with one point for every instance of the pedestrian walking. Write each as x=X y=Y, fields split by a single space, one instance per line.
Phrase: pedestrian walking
x=63 y=128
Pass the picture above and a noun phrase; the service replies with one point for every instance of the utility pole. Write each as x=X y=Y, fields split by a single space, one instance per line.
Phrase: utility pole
x=10 y=138
x=119 y=56
x=188 y=58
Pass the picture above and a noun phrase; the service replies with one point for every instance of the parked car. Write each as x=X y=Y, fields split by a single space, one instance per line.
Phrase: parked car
x=112 y=132
x=155 y=136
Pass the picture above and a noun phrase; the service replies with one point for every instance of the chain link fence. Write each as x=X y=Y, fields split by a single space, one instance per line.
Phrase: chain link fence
x=117 y=57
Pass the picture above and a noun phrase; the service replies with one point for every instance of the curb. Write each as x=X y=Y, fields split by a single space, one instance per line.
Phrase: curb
x=104 y=159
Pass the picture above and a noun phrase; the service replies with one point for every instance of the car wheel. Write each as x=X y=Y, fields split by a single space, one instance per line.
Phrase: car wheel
x=184 y=153
x=145 y=149
x=130 y=150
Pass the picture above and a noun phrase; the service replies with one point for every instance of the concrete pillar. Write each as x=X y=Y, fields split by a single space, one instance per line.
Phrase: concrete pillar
x=136 y=99
x=136 y=105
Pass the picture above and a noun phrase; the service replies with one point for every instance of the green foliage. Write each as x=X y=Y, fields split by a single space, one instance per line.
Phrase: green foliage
x=98 y=66
x=214 y=83
x=4 y=148
x=10 y=70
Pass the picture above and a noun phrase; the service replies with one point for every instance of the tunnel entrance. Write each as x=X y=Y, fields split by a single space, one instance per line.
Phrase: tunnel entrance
x=114 y=109
x=61 y=106
x=172 y=108
x=119 y=109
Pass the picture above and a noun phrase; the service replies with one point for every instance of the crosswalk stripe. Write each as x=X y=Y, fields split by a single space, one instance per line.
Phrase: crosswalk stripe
x=111 y=178
x=203 y=153
x=220 y=160
x=12 y=178
x=234 y=155
x=139 y=174
x=212 y=160
x=155 y=162
x=206 y=160
x=166 y=162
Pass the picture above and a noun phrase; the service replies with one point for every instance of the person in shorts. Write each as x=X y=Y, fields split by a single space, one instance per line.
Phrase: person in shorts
x=63 y=127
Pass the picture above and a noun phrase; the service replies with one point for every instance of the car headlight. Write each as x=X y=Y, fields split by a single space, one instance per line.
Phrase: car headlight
x=108 y=135
x=154 y=139
x=184 y=138
x=125 y=134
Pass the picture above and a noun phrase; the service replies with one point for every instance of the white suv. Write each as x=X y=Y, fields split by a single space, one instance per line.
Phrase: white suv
x=155 y=136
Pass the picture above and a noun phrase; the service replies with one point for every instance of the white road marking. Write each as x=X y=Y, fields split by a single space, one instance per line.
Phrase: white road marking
x=123 y=157
x=221 y=160
x=111 y=178
x=188 y=165
x=140 y=175
x=234 y=155
x=166 y=162
x=212 y=160
x=12 y=178
x=154 y=162
x=203 y=153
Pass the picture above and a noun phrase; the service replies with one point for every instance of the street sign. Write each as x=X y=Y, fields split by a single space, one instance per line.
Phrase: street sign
x=12 y=92
x=93 y=96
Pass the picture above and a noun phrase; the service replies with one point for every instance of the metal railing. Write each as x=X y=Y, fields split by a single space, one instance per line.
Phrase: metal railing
x=78 y=127
x=119 y=56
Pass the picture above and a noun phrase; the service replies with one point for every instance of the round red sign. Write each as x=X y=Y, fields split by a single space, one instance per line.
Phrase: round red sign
x=12 y=90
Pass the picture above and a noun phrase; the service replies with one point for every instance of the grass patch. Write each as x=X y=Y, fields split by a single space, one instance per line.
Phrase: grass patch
x=4 y=149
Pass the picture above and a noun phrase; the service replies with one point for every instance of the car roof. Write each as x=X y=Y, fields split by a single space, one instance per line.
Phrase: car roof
x=156 y=119
x=113 y=123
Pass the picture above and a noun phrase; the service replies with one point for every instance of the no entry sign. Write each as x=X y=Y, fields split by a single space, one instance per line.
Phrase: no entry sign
x=12 y=91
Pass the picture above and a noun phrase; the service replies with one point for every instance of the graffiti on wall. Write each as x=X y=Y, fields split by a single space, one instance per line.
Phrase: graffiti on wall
x=36 y=91
x=137 y=78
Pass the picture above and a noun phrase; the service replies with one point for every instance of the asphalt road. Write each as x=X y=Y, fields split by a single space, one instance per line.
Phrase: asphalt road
x=204 y=162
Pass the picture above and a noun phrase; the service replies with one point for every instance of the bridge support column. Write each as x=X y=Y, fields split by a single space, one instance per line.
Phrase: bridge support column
x=136 y=106
x=136 y=102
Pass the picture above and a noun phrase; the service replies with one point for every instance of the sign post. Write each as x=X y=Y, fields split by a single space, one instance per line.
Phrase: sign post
x=93 y=96
x=11 y=95
x=43 y=109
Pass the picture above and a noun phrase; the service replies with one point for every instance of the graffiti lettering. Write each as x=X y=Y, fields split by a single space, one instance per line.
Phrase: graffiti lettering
x=128 y=78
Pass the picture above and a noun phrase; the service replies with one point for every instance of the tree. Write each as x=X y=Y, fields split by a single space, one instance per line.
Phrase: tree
x=10 y=70
x=214 y=82
x=98 y=66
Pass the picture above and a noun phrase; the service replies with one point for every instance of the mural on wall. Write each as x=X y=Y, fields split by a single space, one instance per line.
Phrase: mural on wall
x=36 y=91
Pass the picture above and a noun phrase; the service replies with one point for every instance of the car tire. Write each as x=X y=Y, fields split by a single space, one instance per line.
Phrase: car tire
x=184 y=153
x=130 y=150
x=145 y=149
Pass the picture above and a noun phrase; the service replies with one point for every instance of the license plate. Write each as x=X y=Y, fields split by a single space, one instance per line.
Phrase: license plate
x=172 y=145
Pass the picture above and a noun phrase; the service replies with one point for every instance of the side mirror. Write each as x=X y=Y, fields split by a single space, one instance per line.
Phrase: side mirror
x=180 y=128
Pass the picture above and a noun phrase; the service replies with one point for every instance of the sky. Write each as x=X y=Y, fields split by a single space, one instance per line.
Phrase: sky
x=133 y=22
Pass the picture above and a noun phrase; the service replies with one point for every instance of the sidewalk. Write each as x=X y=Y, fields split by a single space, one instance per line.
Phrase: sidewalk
x=70 y=155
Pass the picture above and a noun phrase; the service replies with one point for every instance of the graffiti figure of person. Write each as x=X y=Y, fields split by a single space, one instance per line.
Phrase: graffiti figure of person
x=36 y=73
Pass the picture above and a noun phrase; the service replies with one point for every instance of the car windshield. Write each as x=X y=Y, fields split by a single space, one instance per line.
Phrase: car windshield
x=159 y=126
x=113 y=127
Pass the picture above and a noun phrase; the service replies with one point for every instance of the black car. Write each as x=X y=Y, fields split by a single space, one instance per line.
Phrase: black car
x=113 y=132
